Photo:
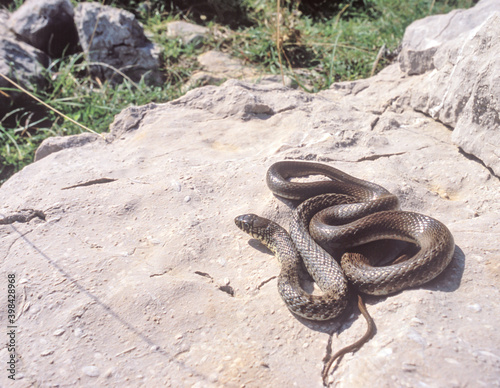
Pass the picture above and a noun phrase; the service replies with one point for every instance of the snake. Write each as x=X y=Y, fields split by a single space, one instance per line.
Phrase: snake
x=337 y=215
x=341 y=213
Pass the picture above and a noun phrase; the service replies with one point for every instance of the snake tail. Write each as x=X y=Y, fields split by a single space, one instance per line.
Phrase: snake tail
x=370 y=330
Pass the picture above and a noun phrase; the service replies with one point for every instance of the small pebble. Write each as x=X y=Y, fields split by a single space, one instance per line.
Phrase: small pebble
x=153 y=240
x=58 y=332
x=415 y=336
x=35 y=309
x=187 y=198
x=78 y=332
x=175 y=185
x=489 y=354
x=109 y=373
x=474 y=307
x=213 y=378
x=91 y=370
x=415 y=321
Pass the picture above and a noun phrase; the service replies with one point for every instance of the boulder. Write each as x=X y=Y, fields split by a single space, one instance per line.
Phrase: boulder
x=423 y=37
x=462 y=91
x=189 y=33
x=47 y=25
x=115 y=44
x=23 y=64
x=150 y=282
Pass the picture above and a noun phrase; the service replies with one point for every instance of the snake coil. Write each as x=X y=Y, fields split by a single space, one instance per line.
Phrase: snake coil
x=342 y=213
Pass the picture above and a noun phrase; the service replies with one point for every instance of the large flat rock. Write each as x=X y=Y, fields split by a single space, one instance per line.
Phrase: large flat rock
x=127 y=281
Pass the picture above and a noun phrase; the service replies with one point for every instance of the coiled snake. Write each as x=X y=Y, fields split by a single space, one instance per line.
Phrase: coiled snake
x=342 y=213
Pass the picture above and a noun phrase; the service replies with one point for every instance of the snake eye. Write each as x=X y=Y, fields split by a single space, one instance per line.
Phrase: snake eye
x=244 y=222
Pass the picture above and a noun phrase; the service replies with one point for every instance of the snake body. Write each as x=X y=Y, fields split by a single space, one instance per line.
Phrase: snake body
x=342 y=213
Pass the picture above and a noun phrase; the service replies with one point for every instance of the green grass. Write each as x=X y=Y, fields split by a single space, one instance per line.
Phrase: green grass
x=326 y=49
x=91 y=103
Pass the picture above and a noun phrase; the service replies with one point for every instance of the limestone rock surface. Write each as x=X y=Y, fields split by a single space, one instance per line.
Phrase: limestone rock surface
x=58 y=143
x=423 y=37
x=133 y=259
x=462 y=91
x=130 y=271
x=188 y=32
x=114 y=40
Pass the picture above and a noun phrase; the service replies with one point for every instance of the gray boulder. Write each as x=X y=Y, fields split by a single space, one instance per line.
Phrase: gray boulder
x=477 y=130
x=189 y=33
x=134 y=258
x=47 y=25
x=23 y=64
x=462 y=91
x=423 y=37
x=114 y=42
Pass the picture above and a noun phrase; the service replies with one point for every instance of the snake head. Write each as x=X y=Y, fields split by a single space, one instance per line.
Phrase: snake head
x=264 y=230
x=252 y=224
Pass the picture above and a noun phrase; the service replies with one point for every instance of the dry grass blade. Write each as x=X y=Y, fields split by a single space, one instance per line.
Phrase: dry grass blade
x=48 y=106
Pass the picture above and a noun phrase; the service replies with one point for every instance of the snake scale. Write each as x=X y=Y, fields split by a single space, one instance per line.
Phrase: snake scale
x=342 y=213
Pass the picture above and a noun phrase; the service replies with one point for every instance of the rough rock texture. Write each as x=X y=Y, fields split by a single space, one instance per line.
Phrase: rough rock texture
x=129 y=281
x=189 y=33
x=130 y=270
x=115 y=40
x=218 y=67
x=47 y=25
x=22 y=63
x=4 y=17
x=58 y=143
x=463 y=91
x=424 y=36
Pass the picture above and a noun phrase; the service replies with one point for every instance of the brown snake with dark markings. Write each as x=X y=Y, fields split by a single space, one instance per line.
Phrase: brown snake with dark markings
x=342 y=213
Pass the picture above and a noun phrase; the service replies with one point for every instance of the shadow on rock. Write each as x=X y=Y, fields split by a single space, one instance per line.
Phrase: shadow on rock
x=449 y=280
